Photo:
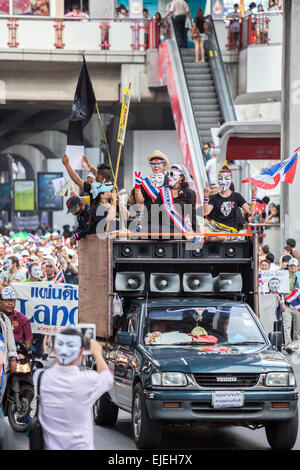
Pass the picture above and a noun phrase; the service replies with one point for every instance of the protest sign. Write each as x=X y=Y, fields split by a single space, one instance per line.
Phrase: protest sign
x=26 y=223
x=49 y=306
x=276 y=280
x=267 y=308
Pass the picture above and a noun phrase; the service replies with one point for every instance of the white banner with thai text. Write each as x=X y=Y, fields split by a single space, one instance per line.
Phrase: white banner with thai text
x=49 y=306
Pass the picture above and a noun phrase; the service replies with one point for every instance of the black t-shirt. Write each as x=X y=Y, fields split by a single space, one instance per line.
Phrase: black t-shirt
x=70 y=277
x=226 y=209
x=148 y=202
x=186 y=197
x=200 y=23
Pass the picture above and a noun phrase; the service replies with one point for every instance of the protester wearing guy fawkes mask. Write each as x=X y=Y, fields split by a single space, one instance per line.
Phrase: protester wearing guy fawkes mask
x=178 y=200
x=11 y=271
x=35 y=273
x=68 y=394
x=224 y=207
x=147 y=189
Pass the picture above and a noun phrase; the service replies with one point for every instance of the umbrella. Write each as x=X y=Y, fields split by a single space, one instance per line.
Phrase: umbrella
x=19 y=237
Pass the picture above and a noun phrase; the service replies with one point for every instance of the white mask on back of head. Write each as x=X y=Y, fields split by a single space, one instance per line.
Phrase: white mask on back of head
x=67 y=348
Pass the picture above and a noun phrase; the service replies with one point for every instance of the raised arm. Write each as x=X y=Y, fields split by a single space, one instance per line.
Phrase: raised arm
x=251 y=209
x=89 y=166
x=206 y=206
x=73 y=175
x=138 y=193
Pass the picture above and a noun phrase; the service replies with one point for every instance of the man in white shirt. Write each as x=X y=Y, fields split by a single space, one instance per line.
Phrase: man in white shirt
x=211 y=170
x=179 y=10
x=11 y=271
x=67 y=394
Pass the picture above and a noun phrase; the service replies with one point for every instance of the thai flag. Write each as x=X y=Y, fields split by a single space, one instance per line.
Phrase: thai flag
x=294 y=299
x=59 y=276
x=34 y=238
x=283 y=171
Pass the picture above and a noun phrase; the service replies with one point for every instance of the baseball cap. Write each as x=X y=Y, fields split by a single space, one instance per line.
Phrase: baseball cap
x=293 y=262
x=72 y=203
x=90 y=175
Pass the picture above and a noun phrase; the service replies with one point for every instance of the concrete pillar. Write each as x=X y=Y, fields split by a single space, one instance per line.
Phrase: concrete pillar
x=290 y=221
x=102 y=9
x=57 y=8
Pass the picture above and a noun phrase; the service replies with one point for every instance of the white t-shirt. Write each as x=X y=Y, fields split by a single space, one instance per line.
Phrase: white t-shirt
x=15 y=277
x=179 y=7
x=211 y=168
x=67 y=395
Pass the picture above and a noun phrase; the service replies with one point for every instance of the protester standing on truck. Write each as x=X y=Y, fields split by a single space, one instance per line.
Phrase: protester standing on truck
x=224 y=207
x=147 y=189
x=178 y=203
x=81 y=210
x=102 y=174
x=68 y=394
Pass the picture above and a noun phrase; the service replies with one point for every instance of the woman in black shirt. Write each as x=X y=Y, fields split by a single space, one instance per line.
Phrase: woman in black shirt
x=177 y=200
x=199 y=42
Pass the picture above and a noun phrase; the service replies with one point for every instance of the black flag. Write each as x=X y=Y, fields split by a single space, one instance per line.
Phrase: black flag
x=82 y=110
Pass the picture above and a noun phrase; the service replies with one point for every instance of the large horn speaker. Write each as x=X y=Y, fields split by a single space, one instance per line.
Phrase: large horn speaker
x=164 y=282
x=228 y=282
x=197 y=282
x=130 y=281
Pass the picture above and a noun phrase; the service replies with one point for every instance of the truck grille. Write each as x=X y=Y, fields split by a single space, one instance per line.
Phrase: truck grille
x=226 y=380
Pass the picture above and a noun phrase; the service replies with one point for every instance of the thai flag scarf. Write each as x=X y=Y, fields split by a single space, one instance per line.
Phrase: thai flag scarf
x=183 y=224
x=59 y=277
x=150 y=190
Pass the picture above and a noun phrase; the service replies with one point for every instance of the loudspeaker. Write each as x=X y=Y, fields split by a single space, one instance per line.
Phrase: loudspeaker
x=130 y=281
x=164 y=282
x=197 y=282
x=228 y=282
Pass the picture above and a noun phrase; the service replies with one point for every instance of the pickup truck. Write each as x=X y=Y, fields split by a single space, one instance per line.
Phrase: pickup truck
x=198 y=360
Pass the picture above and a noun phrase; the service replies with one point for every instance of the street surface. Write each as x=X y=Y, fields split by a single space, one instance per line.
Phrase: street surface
x=196 y=438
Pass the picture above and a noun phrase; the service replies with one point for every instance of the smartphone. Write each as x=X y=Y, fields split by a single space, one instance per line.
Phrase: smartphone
x=88 y=331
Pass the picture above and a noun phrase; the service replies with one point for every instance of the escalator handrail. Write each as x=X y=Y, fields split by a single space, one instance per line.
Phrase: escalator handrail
x=219 y=75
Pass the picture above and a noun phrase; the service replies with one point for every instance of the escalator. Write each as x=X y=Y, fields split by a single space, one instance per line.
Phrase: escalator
x=199 y=94
x=203 y=94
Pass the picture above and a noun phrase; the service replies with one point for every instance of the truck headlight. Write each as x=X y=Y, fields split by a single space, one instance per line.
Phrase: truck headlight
x=169 y=379
x=279 y=379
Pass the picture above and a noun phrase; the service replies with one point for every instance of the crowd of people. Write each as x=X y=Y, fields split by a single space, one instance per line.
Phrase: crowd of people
x=287 y=317
x=259 y=23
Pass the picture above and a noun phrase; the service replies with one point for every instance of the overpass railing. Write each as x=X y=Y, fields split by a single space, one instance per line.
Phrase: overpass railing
x=46 y=33
x=259 y=28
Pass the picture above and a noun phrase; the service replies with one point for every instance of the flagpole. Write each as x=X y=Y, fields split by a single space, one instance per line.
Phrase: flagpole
x=105 y=140
x=121 y=142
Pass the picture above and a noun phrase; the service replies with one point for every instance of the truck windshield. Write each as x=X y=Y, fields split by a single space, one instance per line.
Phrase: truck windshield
x=208 y=324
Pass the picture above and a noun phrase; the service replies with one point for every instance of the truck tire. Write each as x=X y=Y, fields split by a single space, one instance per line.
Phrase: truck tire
x=282 y=435
x=105 y=411
x=146 y=433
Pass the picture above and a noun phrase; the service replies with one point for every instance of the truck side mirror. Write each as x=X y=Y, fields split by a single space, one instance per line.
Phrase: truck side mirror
x=276 y=339
x=124 y=338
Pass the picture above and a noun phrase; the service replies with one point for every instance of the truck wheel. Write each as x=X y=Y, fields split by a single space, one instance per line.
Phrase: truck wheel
x=105 y=411
x=282 y=435
x=146 y=433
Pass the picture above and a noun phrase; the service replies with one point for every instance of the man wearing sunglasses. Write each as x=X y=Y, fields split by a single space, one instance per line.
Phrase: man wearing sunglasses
x=81 y=210
x=147 y=189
